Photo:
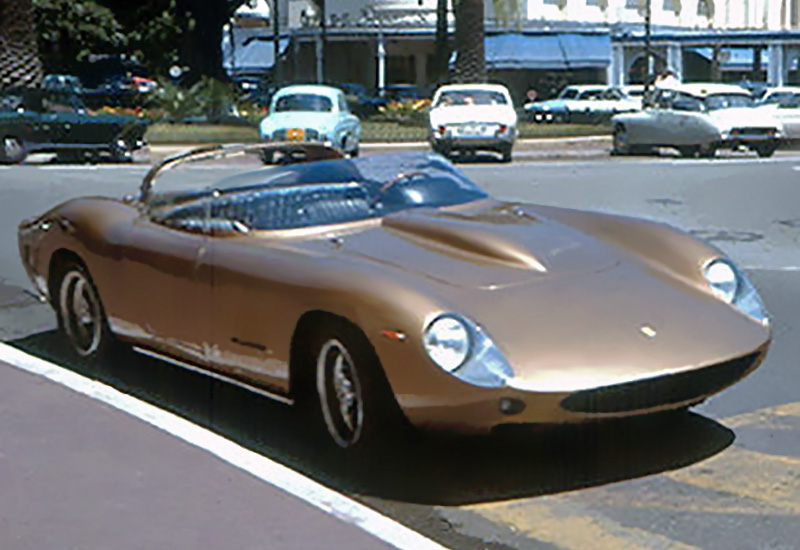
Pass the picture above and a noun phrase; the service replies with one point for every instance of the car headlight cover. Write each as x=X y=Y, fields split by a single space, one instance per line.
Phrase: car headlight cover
x=466 y=351
x=722 y=279
x=447 y=341
x=732 y=286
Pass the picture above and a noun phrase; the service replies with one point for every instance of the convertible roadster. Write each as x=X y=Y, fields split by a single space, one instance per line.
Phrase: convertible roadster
x=390 y=286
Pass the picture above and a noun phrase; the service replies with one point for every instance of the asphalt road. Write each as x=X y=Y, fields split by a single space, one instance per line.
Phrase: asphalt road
x=724 y=477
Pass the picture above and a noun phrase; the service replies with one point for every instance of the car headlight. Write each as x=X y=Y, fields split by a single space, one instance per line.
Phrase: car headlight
x=733 y=287
x=447 y=341
x=463 y=349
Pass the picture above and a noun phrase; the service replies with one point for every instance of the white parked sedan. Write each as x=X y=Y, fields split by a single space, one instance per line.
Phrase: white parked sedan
x=785 y=105
x=699 y=119
x=312 y=113
x=466 y=118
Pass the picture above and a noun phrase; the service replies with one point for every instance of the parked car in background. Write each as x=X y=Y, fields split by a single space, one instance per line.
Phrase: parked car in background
x=699 y=119
x=778 y=95
x=583 y=103
x=312 y=113
x=465 y=118
x=36 y=120
x=784 y=105
x=63 y=83
x=388 y=290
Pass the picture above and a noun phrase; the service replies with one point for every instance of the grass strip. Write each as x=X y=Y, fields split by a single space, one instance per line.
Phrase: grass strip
x=390 y=132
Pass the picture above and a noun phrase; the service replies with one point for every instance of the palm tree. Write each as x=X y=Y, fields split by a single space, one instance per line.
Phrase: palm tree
x=470 y=33
x=19 y=55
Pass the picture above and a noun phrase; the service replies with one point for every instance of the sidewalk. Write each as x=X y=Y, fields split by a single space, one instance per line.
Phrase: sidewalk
x=78 y=473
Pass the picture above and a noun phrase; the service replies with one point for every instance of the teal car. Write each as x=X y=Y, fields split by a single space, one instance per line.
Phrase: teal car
x=312 y=113
x=47 y=121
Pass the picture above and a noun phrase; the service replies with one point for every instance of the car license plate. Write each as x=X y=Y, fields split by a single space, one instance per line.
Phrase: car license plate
x=295 y=134
x=473 y=130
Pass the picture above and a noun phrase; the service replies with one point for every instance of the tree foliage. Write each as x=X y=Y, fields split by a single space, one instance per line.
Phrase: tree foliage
x=70 y=30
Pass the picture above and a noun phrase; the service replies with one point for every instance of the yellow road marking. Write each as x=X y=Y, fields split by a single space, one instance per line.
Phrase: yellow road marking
x=771 y=481
x=571 y=526
x=762 y=416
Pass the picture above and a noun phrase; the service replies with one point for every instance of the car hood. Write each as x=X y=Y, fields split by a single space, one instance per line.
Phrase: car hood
x=298 y=119
x=743 y=117
x=568 y=310
x=487 y=245
x=500 y=114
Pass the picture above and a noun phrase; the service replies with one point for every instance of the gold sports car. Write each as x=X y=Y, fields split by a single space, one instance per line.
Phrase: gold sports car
x=391 y=286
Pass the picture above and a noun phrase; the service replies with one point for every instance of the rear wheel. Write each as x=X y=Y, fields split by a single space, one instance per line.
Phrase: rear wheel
x=707 y=151
x=689 y=151
x=121 y=151
x=766 y=150
x=505 y=153
x=12 y=150
x=81 y=316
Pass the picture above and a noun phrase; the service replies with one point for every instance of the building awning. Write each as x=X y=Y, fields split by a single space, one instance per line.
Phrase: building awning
x=253 y=49
x=552 y=51
x=734 y=59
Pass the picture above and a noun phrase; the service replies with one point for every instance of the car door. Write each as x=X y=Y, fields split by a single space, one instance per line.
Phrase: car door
x=247 y=328
x=168 y=274
x=647 y=128
x=347 y=122
x=61 y=119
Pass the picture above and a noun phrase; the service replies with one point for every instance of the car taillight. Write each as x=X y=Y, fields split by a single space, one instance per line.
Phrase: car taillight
x=503 y=129
x=442 y=129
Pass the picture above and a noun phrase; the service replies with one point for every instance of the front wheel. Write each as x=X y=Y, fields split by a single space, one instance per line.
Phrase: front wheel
x=622 y=145
x=12 y=150
x=355 y=403
x=505 y=154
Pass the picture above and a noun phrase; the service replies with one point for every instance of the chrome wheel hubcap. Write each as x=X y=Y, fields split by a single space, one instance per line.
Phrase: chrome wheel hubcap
x=80 y=313
x=340 y=393
x=11 y=147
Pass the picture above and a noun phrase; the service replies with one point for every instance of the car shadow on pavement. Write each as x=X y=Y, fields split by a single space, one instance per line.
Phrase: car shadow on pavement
x=419 y=468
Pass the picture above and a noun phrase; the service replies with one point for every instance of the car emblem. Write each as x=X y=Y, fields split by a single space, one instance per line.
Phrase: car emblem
x=648 y=331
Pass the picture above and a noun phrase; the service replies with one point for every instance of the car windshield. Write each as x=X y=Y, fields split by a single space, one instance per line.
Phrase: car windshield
x=782 y=99
x=323 y=192
x=471 y=97
x=303 y=102
x=715 y=102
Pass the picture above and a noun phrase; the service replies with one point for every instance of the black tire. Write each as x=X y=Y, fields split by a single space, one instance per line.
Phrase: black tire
x=70 y=157
x=81 y=316
x=348 y=396
x=689 y=151
x=707 y=151
x=12 y=150
x=621 y=141
x=121 y=151
x=505 y=154
x=766 y=150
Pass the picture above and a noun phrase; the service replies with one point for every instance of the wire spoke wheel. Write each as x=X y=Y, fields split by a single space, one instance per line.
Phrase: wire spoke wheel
x=81 y=313
x=340 y=394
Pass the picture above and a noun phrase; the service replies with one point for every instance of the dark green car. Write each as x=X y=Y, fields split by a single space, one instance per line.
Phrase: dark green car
x=36 y=121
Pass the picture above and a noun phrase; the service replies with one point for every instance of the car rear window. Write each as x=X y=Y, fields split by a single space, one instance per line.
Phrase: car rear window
x=303 y=102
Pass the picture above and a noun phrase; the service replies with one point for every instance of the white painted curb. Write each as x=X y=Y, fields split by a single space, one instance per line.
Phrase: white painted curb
x=253 y=463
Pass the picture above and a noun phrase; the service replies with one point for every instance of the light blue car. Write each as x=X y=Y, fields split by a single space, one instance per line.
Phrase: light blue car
x=312 y=113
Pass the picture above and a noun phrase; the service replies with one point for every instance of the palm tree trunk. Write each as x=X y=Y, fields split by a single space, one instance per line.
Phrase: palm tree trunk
x=19 y=55
x=442 y=55
x=471 y=57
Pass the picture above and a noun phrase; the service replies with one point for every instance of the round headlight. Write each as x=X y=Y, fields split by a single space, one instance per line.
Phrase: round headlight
x=447 y=342
x=723 y=280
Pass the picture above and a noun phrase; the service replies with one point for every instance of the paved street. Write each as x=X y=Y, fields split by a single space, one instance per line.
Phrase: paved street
x=726 y=476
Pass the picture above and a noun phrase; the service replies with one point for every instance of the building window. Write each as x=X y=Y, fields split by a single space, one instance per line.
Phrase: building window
x=672 y=5
x=705 y=8
x=602 y=4
x=635 y=4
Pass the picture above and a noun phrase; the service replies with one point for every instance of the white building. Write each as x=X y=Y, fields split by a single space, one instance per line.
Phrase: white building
x=379 y=42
